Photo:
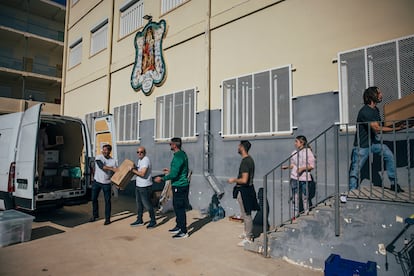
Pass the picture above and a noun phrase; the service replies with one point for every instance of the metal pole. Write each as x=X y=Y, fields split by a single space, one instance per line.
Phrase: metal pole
x=265 y=216
x=336 y=142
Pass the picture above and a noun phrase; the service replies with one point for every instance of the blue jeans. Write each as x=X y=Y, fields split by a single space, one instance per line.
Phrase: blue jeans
x=299 y=186
x=143 y=199
x=107 y=190
x=360 y=156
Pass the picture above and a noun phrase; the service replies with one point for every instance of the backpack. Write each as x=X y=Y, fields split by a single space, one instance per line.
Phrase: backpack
x=215 y=210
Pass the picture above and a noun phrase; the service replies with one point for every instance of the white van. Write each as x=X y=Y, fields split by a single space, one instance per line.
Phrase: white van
x=67 y=173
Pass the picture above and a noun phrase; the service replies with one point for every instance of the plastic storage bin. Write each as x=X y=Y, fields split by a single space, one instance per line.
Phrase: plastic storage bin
x=15 y=227
x=336 y=266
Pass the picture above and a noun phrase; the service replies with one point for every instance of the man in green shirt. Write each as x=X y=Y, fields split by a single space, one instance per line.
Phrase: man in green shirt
x=179 y=182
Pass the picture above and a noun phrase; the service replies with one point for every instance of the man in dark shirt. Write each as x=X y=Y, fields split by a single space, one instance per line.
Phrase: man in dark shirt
x=366 y=139
x=244 y=191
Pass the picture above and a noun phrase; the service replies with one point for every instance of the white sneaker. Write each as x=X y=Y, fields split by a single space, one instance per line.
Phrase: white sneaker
x=244 y=242
x=242 y=235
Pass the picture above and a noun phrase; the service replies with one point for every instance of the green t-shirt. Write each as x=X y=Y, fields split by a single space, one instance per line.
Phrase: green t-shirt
x=178 y=170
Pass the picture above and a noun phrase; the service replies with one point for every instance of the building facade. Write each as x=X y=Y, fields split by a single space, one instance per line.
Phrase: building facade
x=31 y=54
x=223 y=71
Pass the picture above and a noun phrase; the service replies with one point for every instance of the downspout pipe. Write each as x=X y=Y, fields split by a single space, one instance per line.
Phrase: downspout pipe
x=207 y=139
x=110 y=45
x=65 y=60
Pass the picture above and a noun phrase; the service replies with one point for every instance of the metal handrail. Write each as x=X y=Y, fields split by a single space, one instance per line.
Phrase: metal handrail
x=332 y=148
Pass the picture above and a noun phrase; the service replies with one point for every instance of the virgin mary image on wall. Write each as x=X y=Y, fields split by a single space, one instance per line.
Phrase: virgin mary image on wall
x=149 y=66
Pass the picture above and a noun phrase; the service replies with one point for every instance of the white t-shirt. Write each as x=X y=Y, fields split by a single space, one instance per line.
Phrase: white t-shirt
x=104 y=176
x=147 y=179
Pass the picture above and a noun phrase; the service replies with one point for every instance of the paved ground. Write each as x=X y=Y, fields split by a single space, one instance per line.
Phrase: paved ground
x=63 y=243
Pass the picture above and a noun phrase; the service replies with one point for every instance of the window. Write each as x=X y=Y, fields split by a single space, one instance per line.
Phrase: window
x=75 y=53
x=175 y=115
x=258 y=104
x=167 y=5
x=131 y=17
x=126 y=118
x=89 y=120
x=387 y=65
x=99 y=37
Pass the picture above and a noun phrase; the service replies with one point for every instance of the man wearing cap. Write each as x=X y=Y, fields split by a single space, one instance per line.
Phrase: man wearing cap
x=244 y=191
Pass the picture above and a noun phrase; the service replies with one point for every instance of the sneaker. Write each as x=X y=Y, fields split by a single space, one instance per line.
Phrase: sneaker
x=137 y=223
x=242 y=236
x=175 y=230
x=180 y=235
x=107 y=222
x=244 y=242
x=152 y=224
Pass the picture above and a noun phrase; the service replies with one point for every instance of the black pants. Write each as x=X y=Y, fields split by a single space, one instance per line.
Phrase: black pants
x=180 y=202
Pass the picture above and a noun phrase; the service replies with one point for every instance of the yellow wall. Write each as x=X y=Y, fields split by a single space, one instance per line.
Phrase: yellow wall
x=86 y=99
x=306 y=34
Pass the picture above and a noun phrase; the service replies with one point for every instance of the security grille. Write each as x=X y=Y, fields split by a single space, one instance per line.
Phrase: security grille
x=176 y=115
x=131 y=17
x=167 y=5
x=258 y=104
x=75 y=53
x=99 y=37
x=126 y=119
x=389 y=66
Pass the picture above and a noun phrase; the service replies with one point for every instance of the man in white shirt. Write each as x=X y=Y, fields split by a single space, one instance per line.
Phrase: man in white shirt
x=143 y=189
x=105 y=166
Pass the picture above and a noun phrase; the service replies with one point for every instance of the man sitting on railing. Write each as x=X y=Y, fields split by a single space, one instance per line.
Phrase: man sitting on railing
x=366 y=139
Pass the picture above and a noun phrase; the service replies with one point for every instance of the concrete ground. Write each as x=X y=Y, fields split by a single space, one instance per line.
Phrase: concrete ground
x=64 y=243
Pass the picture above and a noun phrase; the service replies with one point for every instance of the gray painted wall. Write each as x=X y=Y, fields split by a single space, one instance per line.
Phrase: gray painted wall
x=312 y=114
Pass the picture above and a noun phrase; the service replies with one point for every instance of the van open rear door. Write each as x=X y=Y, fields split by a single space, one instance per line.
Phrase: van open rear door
x=26 y=159
x=104 y=133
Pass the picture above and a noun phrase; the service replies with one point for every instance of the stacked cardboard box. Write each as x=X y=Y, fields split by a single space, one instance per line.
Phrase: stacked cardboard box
x=399 y=110
x=123 y=176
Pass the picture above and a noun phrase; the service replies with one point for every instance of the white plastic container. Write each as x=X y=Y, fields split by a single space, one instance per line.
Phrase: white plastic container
x=15 y=227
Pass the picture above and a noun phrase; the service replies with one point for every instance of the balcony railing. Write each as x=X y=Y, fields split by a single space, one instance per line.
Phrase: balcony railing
x=28 y=65
x=31 y=27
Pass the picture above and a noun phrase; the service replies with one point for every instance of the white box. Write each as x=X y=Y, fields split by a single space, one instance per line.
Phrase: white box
x=51 y=156
x=15 y=227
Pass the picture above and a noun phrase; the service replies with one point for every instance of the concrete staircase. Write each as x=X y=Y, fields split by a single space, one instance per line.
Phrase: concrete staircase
x=366 y=227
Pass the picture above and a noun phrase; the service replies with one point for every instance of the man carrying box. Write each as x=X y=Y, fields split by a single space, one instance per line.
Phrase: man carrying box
x=105 y=166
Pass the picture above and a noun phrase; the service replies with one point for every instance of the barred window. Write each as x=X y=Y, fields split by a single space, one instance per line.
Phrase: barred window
x=75 y=53
x=131 y=17
x=99 y=37
x=126 y=118
x=258 y=104
x=167 y=5
x=176 y=115
x=387 y=65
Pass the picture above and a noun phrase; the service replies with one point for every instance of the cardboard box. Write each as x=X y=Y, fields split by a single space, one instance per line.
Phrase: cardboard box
x=123 y=176
x=15 y=227
x=399 y=110
x=51 y=156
